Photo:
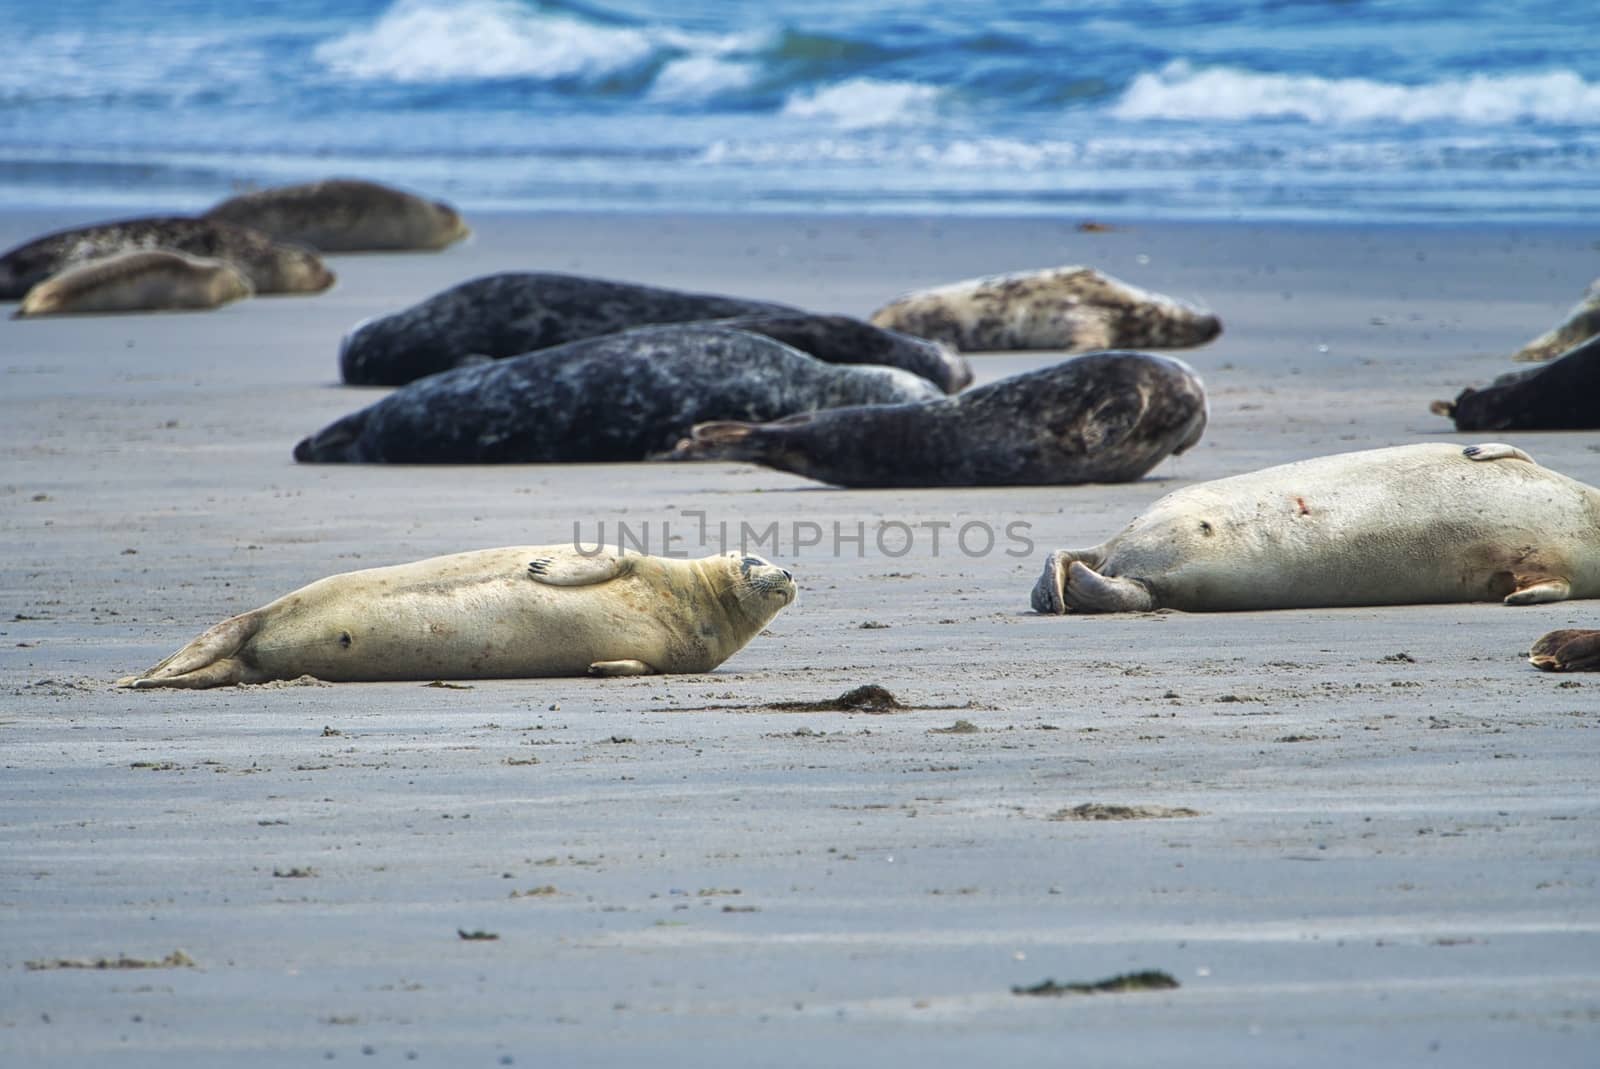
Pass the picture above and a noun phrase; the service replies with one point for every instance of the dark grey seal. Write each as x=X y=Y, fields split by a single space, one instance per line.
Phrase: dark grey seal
x=505 y=315
x=271 y=266
x=346 y=215
x=619 y=397
x=1563 y=395
x=1101 y=418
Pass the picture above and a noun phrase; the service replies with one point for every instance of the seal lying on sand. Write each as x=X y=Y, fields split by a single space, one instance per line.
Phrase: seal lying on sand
x=1074 y=309
x=345 y=215
x=1563 y=395
x=1406 y=525
x=272 y=267
x=516 y=612
x=1102 y=418
x=1567 y=650
x=1581 y=324
x=508 y=315
x=156 y=280
x=619 y=397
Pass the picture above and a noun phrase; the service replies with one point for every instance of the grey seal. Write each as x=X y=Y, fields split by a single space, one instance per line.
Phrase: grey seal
x=346 y=215
x=1100 y=418
x=1563 y=395
x=516 y=612
x=618 y=397
x=1406 y=525
x=271 y=266
x=150 y=280
x=1581 y=324
x=1072 y=309
x=1569 y=649
x=513 y=313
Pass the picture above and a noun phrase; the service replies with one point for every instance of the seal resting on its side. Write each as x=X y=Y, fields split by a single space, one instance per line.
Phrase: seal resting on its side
x=271 y=266
x=515 y=612
x=1406 y=525
x=1101 y=418
x=1074 y=309
x=345 y=215
x=1563 y=395
x=512 y=314
x=156 y=280
x=1567 y=650
x=1581 y=324
x=619 y=397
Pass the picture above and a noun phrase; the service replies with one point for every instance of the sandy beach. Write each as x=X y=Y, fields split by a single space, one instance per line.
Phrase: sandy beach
x=1393 y=854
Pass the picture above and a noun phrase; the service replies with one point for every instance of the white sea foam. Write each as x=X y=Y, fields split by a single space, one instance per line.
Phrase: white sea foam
x=864 y=102
x=697 y=78
x=1180 y=91
x=423 y=41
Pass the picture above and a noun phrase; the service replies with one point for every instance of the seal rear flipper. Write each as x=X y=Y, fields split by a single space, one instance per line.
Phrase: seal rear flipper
x=621 y=668
x=724 y=440
x=1567 y=650
x=1538 y=590
x=1086 y=590
x=333 y=443
x=212 y=660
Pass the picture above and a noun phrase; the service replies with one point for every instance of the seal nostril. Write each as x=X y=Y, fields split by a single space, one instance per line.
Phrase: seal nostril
x=787 y=574
x=344 y=640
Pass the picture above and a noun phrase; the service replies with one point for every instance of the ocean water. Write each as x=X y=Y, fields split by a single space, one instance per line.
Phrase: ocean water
x=1274 y=109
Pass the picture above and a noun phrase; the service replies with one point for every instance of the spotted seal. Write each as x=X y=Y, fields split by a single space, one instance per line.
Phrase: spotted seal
x=514 y=612
x=150 y=280
x=1104 y=417
x=271 y=266
x=1073 y=309
x=618 y=397
x=345 y=215
x=1581 y=324
x=1404 y=525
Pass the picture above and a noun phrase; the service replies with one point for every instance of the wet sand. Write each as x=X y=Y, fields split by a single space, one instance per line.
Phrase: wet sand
x=1395 y=854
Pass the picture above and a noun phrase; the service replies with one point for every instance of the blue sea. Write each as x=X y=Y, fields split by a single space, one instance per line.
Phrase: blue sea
x=1434 y=110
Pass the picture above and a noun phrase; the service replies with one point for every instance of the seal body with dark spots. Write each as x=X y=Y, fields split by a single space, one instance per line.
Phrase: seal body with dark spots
x=271 y=266
x=618 y=397
x=1563 y=395
x=510 y=314
x=155 y=280
x=1073 y=309
x=1101 y=418
x=1406 y=525
x=346 y=215
x=516 y=612
x=1581 y=324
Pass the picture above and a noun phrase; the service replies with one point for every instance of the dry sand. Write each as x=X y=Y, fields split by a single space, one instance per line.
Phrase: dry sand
x=1394 y=860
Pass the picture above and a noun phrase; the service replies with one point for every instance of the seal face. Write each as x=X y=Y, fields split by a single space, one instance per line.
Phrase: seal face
x=345 y=215
x=1073 y=309
x=157 y=280
x=1105 y=417
x=272 y=267
x=1561 y=395
x=620 y=397
x=1581 y=324
x=1406 y=525
x=515 y=612
x=510 y=314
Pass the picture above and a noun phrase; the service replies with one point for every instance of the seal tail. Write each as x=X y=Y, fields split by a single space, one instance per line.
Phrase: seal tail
x=212 y=660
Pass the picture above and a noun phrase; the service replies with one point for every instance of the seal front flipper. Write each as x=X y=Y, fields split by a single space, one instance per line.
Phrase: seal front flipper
x=212 y=660
x=1086 y=590
x=1567 y=650
x=621 y=668
x=1495 y=451
x=574 y=569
